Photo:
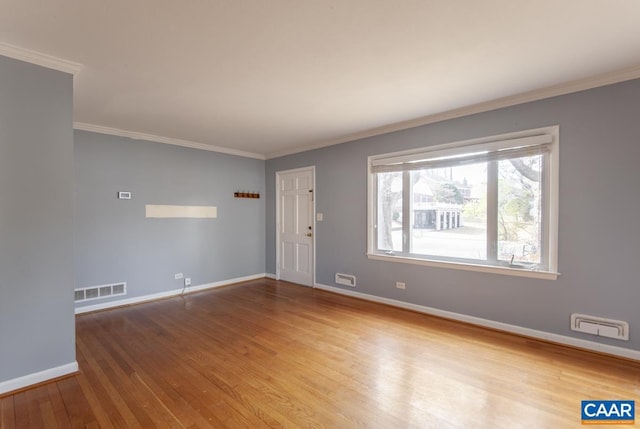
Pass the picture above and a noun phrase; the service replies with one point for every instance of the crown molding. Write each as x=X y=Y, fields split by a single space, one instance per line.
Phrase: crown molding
x=525 y=97
x=166 y=140
x=40 y=59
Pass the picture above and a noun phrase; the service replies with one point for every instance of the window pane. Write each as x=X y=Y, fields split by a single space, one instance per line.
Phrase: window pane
x=390 y=211
x=449 y=212
x=477 y=203
x=519 y=210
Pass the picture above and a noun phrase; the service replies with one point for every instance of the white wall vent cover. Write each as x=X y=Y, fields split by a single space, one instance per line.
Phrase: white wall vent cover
x=97 y=292
x=599 y=326
x=346 y=279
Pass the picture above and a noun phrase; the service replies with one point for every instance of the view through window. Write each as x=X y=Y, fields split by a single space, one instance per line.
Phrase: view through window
x=482 y=204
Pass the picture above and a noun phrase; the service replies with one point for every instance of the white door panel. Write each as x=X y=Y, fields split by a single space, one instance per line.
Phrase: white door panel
x=295 y=226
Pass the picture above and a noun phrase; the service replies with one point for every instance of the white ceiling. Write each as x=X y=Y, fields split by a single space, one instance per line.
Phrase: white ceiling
x=277 y=76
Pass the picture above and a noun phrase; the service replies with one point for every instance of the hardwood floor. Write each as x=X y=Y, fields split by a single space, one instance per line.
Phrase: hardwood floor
x=272 y=354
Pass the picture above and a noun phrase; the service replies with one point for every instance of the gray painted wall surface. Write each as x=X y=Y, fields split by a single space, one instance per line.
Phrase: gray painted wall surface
x=599 y=206
x=116 y=243
x=37 y=330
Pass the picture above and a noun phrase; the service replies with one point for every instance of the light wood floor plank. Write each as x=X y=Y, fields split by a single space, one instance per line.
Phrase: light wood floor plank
x=7 y=413
x=268 y=354
x=57 y=406
x=21 y=412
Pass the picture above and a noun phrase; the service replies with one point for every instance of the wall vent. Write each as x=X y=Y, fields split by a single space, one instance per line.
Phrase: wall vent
x=97 y=292
x=346 y=279
x=599 y=326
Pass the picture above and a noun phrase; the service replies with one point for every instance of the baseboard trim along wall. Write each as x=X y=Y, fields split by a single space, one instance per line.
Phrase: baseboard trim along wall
x=533 y=333
x=167 y=294
x=37 y=377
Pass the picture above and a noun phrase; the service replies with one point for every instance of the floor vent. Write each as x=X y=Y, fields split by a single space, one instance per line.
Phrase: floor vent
x=97 y=292
x=599 y=326
x=346 y=279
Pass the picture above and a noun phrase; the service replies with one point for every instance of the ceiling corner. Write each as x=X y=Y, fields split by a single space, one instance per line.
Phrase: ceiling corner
x=40 y=59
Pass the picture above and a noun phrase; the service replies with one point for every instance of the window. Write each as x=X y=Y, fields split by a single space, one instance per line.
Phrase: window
x=487 y=204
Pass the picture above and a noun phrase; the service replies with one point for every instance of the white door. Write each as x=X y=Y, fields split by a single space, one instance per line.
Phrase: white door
x=295 y=225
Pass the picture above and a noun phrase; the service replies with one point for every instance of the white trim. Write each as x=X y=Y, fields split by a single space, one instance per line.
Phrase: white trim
x=166 y=140
x=312 y=169
x=553 y=200
x=545 y=275
x=167 y=294
x=506 y=327
x=550 y=195
x=512 y=100
x=37 y=377
x=40 y=59
x=271 y=276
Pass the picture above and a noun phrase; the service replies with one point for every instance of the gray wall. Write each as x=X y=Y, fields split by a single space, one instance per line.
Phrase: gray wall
x=37 y=330
x=599 y=206
x=114 y=242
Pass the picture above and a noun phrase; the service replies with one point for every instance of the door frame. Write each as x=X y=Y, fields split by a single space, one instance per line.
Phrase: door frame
x=312 y=169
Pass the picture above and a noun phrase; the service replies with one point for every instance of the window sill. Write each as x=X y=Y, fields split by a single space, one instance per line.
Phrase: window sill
x=518 y=272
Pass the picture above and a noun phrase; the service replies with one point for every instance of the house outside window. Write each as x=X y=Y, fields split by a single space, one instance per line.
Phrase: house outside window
x=487 y=204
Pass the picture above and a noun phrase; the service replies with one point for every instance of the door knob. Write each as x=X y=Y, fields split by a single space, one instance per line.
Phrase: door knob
x=309 y=234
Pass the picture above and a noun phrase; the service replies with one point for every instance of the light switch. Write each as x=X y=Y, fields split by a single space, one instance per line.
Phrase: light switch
x=319 y=217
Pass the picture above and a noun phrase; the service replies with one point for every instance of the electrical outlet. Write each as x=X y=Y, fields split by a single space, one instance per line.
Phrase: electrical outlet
x=187 y=281
x=400 y=285
x=178 y=276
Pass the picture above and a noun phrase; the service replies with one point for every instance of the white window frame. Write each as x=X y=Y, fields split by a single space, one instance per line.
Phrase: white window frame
x=550 y=202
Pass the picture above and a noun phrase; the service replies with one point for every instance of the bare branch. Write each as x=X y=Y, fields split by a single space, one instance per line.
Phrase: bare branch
x=525 y=170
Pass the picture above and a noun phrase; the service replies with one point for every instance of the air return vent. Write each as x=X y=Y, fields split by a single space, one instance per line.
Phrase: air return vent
x=97 y=292
x=346 y=279
x=617 y=329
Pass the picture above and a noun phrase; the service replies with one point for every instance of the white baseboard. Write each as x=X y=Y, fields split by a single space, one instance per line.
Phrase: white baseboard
x=37 y=377
x=271 y=276
x=167 y=294
x=533 y=333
